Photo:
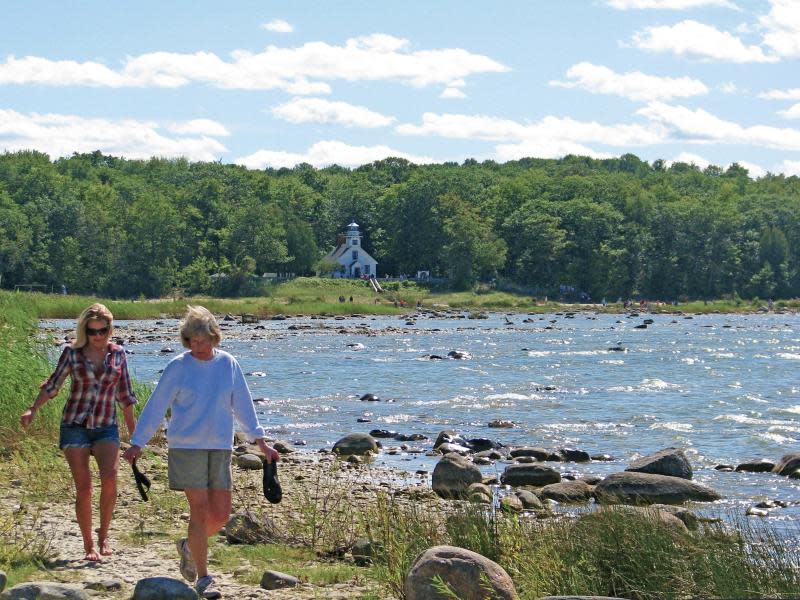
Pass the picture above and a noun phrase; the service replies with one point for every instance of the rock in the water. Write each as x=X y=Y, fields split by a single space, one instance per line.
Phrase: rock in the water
x=243 y=528
x=370 y=398
x=537 y=453
x=448 y=436
x=501 y=423
x=46 y=590
x=248 y=461
x=459 y=355
x=572 y=455
x=283 y=447
x=568 y=491
x=646 y=488
x=356 y=443
x=163 y=588
x=275 y=580
x=469 y=575
x=669 y=461
x=788 y=464
x=756 y=466
x=448 y=448
x=452 y=476
x=533 y=474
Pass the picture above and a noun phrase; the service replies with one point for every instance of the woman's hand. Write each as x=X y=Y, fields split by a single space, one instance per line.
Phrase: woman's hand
x=27 y=417
x=269 y=452
x=132 y=453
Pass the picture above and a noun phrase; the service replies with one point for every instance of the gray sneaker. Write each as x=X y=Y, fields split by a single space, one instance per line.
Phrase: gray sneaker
x=188 y=568
x=207 y=587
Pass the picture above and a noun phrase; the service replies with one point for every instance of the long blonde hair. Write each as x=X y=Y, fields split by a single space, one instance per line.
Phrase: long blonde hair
x=95 y=311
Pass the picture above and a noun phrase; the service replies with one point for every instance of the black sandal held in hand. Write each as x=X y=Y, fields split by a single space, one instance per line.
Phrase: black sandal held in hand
x=142 y=481
x=272 y=487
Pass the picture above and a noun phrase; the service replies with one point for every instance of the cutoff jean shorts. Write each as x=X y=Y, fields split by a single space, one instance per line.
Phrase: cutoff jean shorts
x=79 y=436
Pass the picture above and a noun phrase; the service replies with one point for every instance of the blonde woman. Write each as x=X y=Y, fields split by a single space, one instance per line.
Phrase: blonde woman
x=99 y=372
x=205 y=390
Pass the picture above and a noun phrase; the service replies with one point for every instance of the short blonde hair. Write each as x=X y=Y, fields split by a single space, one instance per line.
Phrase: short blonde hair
x=95 y=311
x=199 y=321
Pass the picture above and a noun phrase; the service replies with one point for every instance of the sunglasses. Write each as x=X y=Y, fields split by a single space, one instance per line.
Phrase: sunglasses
x=142 y=481
x=90 y=331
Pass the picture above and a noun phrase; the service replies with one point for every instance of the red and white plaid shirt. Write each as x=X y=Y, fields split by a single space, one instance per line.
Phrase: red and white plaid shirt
x=91 y=396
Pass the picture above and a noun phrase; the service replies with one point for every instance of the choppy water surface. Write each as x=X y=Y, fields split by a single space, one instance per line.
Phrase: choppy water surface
x=724 y=387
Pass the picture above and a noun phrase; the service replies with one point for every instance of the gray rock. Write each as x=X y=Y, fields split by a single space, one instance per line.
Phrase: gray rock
x=163 y=588
x=537 y=453
x=105 y=585
x=651 y=514
x=568 y=491
x=646 y=488
x=45 y=590
x=275 y=580
x=669 y=461
x=243 y=528
x=448 y=448
x=530 y=501
x=479 y=492
x=283 y=447
x=788 y=464
x=466 y=573
x=356 y=443
x=452 y=476
x=530 y=475
x=248 y=461
x=684 y=514
x=572 y=455
x=448 y=436
x=511 y=503
x=756 y=466
x=364 y=551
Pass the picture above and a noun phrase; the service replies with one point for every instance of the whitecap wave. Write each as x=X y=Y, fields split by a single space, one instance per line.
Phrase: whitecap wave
x=509 y=396
x=612 y=362
x=681 y=427
x=788 y=356
x=777 y=438
x=647 y=385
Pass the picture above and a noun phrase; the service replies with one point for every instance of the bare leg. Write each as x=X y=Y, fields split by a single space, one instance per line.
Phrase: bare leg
x=107 y=456
x=78 y=460
x=208 y=512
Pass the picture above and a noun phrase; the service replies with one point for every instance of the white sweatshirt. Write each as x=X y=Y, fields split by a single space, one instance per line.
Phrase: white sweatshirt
x=204 y=396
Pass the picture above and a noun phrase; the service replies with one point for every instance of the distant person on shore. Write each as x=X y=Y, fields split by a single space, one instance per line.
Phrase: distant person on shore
x=100 y=377
x=205 y=390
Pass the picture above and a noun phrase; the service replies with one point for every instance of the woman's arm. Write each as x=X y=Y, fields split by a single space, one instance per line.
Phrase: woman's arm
x=130 y=419
x=41 y=399
x=49 y=389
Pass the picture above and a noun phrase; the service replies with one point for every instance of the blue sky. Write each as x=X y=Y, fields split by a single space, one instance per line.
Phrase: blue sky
x=273 y=83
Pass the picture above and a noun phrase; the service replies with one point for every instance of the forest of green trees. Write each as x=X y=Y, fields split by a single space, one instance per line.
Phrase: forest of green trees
x=611 y=228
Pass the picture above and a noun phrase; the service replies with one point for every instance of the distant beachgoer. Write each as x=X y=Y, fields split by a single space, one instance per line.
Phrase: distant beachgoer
x=205 y=390
x=99 y=372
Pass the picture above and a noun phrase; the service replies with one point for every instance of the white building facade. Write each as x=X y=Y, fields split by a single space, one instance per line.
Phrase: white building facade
x=354 y=261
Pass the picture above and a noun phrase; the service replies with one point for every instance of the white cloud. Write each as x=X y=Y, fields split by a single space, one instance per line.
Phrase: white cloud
x=792 y=94
x=200 y=127
x=634 y=85
x=729 y=87
x=790 y=167
x=551 y=131
x=696 y=40
x=277 y=26
x=326 y=153
x=782 y=28
x=317 y=110
x=452 y=92
x=301 y=70
x=793 y=112
x=755 y=171
x=669 y=4
x=544 y=149
x=61 y=135
x=700 y=126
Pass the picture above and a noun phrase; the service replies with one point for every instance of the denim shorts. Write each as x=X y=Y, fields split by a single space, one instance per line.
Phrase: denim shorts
x=78 y=436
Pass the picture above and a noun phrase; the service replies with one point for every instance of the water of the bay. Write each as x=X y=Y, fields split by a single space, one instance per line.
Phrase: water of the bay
x=723 y=387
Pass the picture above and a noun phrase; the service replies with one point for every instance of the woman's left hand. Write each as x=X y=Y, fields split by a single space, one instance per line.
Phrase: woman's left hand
x=269 y=452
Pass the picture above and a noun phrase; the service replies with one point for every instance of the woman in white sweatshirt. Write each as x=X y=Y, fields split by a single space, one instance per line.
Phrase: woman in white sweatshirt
x=205 y=390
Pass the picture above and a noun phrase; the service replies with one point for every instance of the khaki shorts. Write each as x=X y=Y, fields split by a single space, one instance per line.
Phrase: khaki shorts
x=199 y=469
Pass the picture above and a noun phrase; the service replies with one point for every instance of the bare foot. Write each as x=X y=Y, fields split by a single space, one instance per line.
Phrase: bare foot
x=105 y=547
x=92 y=556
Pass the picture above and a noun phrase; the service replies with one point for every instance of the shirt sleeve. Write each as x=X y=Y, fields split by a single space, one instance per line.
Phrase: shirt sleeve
x=242 y=402
x=156 y=406
x=63 y=369
x=125 y=394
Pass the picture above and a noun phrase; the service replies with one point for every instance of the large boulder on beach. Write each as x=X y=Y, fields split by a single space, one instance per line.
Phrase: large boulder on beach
x=356 y=443
x=532 y=474
x=453 y=475
x=469 y=576
x=669 y=461
x=647 y=488
x=163 y=588
x=245 y=528
x=46 y=590
x=788 y=464
x=568 y=491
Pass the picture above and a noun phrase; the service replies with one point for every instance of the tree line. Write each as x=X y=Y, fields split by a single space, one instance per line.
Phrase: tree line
x=619 y=227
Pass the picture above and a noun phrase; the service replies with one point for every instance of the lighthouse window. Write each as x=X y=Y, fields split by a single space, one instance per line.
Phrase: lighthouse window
x=355 y=254
x=355 y=242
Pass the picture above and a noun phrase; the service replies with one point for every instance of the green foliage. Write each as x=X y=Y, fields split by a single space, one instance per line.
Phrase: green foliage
x=611 y=228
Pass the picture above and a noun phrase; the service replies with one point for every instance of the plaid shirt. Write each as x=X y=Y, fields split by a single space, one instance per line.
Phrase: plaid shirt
x=91 y=397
